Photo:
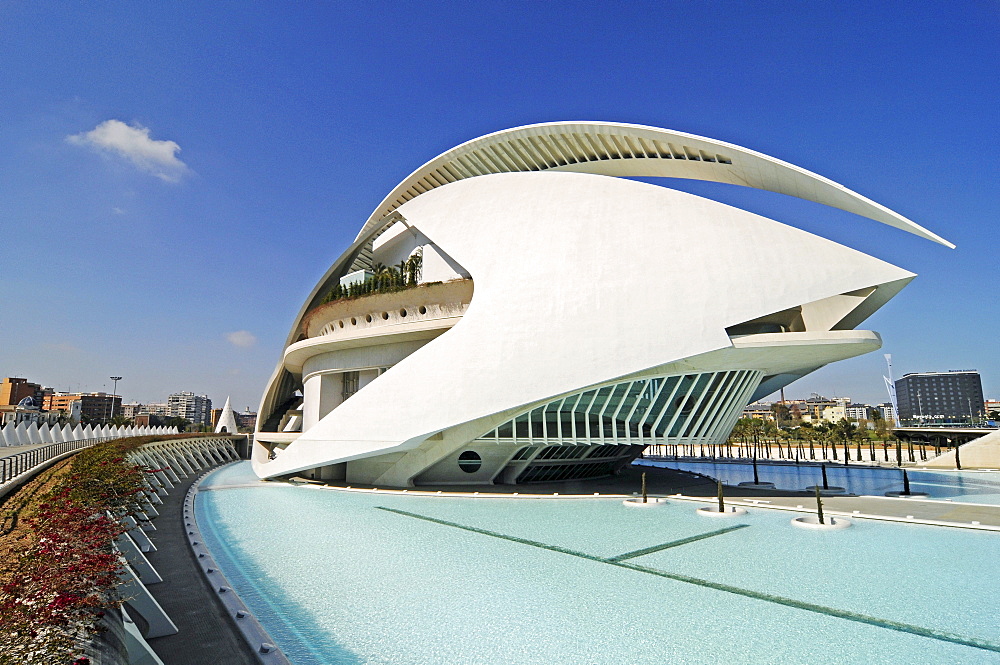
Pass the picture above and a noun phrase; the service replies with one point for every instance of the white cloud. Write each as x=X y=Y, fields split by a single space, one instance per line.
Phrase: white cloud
x=133 y=143
x=241 y=338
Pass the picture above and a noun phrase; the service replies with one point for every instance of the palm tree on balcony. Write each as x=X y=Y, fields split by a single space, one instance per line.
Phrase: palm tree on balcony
x=382 y=276
x=413 y=267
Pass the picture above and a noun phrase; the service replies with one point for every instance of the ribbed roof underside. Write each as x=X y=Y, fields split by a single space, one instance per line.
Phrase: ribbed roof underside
x=631 y=151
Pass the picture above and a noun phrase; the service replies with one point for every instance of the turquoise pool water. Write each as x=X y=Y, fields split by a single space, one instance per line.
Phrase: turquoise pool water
x=958 y=486
x=343 y=577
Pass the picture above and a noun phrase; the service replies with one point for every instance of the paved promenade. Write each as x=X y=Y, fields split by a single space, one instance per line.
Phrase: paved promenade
x=10 y=451
x=206 y=634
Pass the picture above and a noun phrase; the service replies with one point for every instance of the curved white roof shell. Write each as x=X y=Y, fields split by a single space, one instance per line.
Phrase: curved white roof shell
x=626 y=150
x=580 y=280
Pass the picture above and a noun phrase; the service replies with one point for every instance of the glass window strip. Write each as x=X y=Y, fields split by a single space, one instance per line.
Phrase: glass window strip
x=704 y=384
x=654 y=399
x=718 y=402
x=620 y=425
x=740 y=400
x=677 y=420
x=555 y=408
x=625 y=394
x=753 y=381
x=638 y=400
x=626 y=408
x=731 y=410
x=600 y=403
x=734 y=406
x=665 y=407
x=586 y=416
x=708 y=382
x=661 y=384
x=711 y=398
x=572 y=416
x=614 y=398
x=535 y=429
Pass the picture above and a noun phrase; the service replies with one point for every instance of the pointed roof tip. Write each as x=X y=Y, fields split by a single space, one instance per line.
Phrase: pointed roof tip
x=227 y=419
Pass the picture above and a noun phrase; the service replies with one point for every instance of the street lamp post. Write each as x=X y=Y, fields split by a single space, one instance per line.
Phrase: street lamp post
x=114 y=394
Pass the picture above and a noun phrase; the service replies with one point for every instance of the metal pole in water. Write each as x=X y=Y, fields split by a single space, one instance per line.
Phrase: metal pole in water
x=722 y=505
x=822 y=468
x=958 y=462
x=819 y=507
x=906 y=483
x=644 y=499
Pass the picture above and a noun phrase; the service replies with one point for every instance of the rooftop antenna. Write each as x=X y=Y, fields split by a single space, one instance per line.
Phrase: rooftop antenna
x=891 y=387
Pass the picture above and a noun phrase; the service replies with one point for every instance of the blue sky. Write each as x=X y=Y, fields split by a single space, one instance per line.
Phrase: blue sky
x=291 y=121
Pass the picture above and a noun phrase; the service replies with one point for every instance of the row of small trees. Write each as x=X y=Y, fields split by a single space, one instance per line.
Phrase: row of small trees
x=754 y=430
x=384 y=279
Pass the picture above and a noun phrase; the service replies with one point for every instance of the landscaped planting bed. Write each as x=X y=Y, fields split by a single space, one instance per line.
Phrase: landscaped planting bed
x=58 y=568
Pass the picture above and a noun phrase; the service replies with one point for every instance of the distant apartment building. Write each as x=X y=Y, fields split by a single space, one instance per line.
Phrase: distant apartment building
x=834 y=413
x=858 y=411
x=955 y=396
x=196 y=408
x=991 y=406
x=160 y=409
x=761 y=410
x=94 y=407
x=130 y=411
x=247 y=419
x=14 y=389
x=888 y=411
x=216 y=414
x=814 y=406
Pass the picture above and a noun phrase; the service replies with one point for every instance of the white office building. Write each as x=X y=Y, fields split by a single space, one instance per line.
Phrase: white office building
x=196 y=408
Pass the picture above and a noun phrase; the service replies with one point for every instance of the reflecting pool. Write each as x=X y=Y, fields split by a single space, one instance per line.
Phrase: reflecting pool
x=959 y=486
x=363 y=577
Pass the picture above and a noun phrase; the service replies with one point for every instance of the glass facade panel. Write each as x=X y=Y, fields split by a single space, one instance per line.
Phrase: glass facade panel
x=640 y=412
x=706 y=398
x=521 y=426
x=600 y=399
x=686 y=405
x=672 y=408
x=536 y=423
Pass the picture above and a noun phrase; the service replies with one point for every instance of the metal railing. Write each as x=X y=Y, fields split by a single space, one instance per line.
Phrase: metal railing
x=880 y=453
x=14 y=465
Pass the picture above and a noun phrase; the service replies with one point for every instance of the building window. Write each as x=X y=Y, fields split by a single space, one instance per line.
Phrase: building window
x=350 y=383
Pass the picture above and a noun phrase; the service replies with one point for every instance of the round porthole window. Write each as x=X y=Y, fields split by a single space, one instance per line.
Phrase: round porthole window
x=470 y=461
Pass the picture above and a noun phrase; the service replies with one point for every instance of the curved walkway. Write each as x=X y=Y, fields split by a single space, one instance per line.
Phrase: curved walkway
x=206 y=633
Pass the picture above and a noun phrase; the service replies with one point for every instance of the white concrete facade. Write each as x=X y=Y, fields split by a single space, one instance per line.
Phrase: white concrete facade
x=561 y=306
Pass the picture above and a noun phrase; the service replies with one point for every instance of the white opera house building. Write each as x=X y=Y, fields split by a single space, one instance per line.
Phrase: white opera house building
x=521 y=309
